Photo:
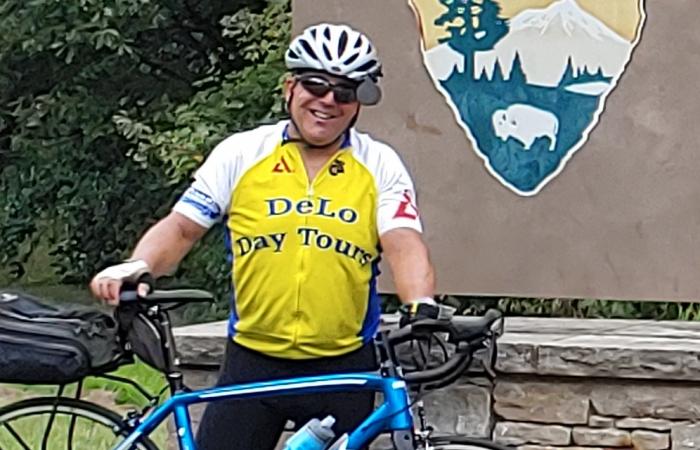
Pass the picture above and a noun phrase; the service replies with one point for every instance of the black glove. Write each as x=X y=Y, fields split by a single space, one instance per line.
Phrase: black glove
x=423 y=308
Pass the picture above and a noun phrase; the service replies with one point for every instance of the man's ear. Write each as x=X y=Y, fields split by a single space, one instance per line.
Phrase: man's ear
x=287 y=88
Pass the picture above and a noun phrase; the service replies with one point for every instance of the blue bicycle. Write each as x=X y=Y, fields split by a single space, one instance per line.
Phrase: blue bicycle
x=425 y=355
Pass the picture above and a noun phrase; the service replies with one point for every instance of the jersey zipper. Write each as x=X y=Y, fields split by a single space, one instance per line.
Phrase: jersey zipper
x=304 y=255
x=310 y=184
x=302 y=266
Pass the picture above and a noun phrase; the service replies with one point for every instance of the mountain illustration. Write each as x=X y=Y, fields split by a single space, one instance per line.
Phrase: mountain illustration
x=560 y=31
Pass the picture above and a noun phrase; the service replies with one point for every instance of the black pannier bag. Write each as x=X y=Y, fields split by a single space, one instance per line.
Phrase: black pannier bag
x=54 y=344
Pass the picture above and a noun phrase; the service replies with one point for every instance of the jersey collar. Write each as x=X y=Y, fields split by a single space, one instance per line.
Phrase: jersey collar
x=346 y=138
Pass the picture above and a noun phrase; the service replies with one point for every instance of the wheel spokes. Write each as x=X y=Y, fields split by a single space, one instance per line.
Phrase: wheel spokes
x=17 y=437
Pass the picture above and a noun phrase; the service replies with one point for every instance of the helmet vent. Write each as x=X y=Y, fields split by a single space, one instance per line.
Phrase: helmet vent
x=327 y=52
x=327 y=32
x=343 y=42
x=308 y=49
x=351 y=59
x=366 y=66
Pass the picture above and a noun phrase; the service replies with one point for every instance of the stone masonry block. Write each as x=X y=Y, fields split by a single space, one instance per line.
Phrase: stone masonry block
x=601 y=421
x=563 y=403
x=685 y=436
x=519 y=433
x=644 y=423
x=650 y=440
x=601 y=437
x=463 y=409
x=664 y=401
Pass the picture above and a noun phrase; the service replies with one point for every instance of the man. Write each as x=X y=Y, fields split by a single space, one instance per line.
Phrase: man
x=308 y=203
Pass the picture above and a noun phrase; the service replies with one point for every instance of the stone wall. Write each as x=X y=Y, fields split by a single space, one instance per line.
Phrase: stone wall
x=561 y=384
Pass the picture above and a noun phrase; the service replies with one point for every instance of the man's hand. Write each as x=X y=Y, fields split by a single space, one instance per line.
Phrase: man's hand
x=423 y=308
x=107 y=284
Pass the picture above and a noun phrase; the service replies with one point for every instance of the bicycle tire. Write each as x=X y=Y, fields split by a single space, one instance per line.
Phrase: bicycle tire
x=73 y=410
x=464 y=443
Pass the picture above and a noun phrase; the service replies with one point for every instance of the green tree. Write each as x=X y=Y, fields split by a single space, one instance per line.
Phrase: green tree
x=106 y=106
x=473 y=25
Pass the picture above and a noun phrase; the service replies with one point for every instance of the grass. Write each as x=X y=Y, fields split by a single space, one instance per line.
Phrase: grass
x=148 y=378
x=118 y=397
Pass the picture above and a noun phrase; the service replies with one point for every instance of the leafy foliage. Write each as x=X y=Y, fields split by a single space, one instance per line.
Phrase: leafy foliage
x=564 y=307
x=106 y=107
x=181 y=135
x=577 y=308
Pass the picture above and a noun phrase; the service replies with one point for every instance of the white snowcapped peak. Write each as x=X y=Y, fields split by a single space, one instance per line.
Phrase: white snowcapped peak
x=568 y=15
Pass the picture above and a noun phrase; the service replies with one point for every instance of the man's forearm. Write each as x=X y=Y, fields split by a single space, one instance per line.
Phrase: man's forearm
x=410 y=264
x=414 y=278
x=166 y=243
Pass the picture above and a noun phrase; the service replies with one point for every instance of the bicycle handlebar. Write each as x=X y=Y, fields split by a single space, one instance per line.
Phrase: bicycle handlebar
x=468 y=334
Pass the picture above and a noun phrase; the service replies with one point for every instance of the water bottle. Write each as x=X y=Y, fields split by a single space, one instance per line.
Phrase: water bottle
x=315 y=435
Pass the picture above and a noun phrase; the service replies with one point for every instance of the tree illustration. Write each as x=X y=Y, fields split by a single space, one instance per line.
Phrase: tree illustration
x=497 y=75
x=492 y=24
x=570 y=73
x=473 y=25
x=483 y=76
x=517 y=75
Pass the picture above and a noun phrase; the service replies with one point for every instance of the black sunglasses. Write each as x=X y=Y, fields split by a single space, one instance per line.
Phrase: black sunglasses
x=319 y=87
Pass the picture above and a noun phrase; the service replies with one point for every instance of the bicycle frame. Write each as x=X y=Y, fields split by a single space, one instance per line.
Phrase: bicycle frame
x=393 y=414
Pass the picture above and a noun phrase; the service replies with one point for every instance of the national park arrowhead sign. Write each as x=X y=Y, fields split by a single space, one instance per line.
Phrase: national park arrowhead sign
x=527 y=80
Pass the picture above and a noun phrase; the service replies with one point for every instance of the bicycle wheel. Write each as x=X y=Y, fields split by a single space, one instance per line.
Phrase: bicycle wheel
x=464 y=443
x=50 y=423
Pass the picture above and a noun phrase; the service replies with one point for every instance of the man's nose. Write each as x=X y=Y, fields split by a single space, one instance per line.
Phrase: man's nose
x=329 y=97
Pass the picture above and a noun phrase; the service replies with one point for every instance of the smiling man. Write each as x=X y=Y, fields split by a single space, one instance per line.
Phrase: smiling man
x=309 y=204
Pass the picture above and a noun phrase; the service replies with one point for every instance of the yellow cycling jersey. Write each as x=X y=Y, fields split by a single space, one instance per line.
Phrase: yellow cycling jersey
x=305 y=253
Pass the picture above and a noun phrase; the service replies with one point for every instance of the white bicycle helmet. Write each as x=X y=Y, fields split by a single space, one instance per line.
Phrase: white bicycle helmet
x=340 y=51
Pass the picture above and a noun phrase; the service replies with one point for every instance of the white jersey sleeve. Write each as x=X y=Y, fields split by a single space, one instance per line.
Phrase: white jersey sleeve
x=207 y=199
x=396 y=205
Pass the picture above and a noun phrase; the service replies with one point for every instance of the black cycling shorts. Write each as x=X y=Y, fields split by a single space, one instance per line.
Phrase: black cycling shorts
x=257 y=424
